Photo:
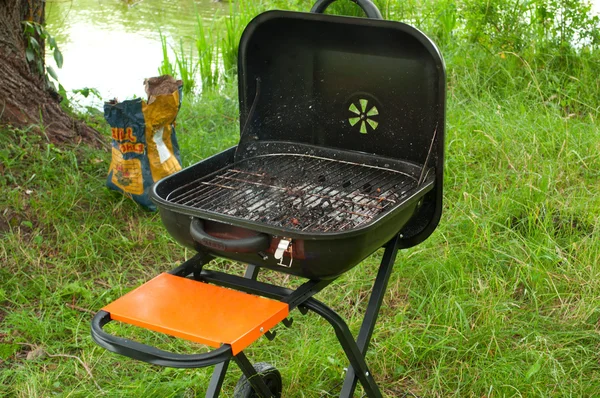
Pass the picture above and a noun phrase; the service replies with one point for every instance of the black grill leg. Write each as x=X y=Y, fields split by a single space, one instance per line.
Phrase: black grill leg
x=368 y=324
x=216 y=381
x=251 y=272
x=356 y=358
x=257 y=382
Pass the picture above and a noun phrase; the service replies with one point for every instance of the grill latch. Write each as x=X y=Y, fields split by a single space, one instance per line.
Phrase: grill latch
x=284 y=246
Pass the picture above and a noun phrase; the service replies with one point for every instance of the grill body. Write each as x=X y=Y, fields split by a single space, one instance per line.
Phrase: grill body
x=313 y=254
x=354 y=105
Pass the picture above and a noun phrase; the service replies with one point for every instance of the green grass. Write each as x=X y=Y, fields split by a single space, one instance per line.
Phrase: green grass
x=186 y=68
x=502 y=300
x=166 y=67
x=207 y=55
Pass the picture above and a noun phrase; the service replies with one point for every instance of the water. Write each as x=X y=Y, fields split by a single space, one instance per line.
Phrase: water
x=112 y=45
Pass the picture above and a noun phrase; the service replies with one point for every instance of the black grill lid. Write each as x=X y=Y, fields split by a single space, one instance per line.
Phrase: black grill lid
x=318 y=73
x=356 y=84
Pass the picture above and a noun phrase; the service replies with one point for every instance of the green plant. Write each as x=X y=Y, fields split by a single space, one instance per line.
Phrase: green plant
x=186 y=68
x=235 y=23
x=35 y=34
x=87 y=91
x=230 y=42
x=207 y=49
x=166 y=67
x=447 y=22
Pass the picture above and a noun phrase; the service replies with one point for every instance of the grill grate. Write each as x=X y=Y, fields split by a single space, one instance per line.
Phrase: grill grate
x=301 y=192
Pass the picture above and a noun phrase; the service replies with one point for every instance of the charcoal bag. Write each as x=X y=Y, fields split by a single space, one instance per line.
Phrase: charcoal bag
x=144 y=144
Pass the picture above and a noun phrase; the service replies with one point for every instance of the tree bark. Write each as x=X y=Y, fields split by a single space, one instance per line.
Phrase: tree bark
x=25 y=97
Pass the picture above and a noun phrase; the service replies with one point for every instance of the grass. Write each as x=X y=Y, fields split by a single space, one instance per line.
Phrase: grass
x=216 y=46
x=166 y=67
x=186 y=68
x=207 y=55
x=502 y=300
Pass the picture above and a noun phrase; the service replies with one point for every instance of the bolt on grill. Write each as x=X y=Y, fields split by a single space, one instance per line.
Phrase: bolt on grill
x=302 y=192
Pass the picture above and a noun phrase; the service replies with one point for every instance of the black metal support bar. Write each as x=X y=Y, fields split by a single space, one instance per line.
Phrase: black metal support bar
x=216 y=381
x=356 y=358
x=257 y=382
x=340 y=327
x=193 y=265
x=375 y=301
x=218 y=376
x=244 y=285
x=304 y=292
x=143 y=352
x=293 y=298
x=251 y=272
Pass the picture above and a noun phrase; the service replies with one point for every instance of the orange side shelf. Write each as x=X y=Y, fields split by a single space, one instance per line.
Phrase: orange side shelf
x=199 y=312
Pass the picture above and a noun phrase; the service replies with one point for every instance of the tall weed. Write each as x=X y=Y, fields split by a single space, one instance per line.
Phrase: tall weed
x=552 y=45
x=208 y=54
x=235 y=23
x=186 y=68
x=166 y=67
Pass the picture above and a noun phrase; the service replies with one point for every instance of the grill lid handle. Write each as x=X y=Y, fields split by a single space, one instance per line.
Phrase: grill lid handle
x=251 y=244
x=367 y=5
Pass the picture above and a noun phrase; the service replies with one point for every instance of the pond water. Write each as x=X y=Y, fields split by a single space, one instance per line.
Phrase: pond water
x=112 y=45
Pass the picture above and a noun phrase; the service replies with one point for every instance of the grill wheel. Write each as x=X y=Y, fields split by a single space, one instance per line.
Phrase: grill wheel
x=268 y=373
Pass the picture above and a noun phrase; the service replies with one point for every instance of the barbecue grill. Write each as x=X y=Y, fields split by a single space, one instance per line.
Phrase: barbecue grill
x=340 y=153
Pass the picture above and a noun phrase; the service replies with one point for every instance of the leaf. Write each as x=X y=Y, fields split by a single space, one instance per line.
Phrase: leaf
x=35 y=354
x=95 y=92
x=33 y=43
x=534 y=368
x=84 y=91
x=38 y=29
x=29 y=54
x=52 y=73
x=51 y=84
x=62 y=91
x=27 y=224
x=58 y=57
x=28 y=28
x=51 y=42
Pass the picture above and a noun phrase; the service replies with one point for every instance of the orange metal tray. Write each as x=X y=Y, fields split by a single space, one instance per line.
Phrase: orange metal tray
x=199 y=312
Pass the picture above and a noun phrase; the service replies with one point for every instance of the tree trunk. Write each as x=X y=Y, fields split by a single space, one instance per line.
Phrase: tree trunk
x=25 y=97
